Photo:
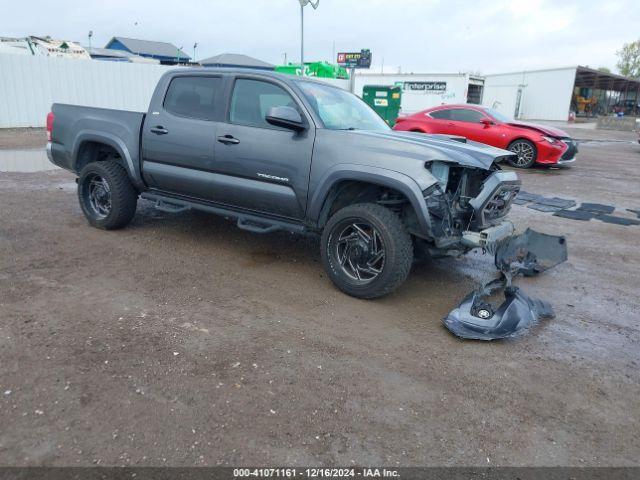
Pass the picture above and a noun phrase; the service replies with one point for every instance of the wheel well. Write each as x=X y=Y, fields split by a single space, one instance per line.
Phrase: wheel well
x=90 y=151
x=417 y=130
x=349 y=192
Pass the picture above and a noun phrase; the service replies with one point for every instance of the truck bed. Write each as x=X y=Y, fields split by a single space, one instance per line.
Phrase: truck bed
x=76 y=125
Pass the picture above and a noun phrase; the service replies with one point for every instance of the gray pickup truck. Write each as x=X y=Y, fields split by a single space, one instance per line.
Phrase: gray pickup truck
x=277 y=152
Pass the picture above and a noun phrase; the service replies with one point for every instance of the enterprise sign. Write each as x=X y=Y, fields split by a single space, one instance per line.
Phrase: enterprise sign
x=427 y=87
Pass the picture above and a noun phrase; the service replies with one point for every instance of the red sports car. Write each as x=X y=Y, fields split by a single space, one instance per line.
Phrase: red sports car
x=531 y=142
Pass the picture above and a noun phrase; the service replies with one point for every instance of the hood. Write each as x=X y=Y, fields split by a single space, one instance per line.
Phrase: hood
x=433 y=147
x=543 y=129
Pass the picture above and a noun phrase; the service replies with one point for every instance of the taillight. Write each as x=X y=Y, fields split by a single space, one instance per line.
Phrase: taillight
x=50 y=118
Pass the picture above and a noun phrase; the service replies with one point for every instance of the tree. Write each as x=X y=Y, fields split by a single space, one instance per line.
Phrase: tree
x=629 y=59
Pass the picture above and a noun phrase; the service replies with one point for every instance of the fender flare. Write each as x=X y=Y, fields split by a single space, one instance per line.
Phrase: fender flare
x=375 y=175
x=114 y=142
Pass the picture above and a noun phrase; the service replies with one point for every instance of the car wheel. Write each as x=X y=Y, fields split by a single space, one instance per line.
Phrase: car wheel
x=366 y=250
x=526 y=153
x=106 y=195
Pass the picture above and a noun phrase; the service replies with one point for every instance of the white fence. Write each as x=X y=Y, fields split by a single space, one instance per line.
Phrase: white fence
x=29 y=85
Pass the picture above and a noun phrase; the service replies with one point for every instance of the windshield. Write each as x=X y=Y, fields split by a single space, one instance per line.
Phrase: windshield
x=498 y=116
x=341 y=110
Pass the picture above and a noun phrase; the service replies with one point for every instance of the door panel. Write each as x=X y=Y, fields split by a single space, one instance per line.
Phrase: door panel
x=268 y=166
x=467 y=122
x=182 y=134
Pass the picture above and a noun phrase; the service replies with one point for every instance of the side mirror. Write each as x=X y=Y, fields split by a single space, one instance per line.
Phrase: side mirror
x=285 y=117
x=486 y=122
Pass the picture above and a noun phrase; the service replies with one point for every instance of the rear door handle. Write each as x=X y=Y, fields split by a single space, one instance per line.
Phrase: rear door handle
x=228 y=140
x=159 y=130
x=451 y=124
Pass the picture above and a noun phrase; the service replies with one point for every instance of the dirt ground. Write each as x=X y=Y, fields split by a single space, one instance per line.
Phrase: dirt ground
x=182 y=340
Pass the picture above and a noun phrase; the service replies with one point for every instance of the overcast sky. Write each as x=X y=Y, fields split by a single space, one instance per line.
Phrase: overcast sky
x=485 y=36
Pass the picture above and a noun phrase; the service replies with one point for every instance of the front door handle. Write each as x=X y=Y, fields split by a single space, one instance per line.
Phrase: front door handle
x=228 y=140
x=451 y=124
x=159 y=130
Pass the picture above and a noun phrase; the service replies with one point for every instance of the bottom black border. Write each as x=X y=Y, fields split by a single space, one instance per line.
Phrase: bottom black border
x=405 y=473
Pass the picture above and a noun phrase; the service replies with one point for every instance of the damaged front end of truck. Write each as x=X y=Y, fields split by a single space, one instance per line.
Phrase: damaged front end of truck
x=468 y=208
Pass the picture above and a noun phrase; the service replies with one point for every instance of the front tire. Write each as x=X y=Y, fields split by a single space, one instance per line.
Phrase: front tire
x=366 y=250
x=106 y=195
x=526 y=152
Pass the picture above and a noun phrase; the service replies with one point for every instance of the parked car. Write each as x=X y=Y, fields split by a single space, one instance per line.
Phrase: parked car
x=532 y=143
x=277 y=152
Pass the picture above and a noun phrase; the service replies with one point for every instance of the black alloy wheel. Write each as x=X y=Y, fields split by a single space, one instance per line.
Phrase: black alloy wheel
x=366 y=250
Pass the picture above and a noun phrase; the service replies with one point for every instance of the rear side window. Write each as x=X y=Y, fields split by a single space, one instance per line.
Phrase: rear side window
x=463 y=115
x=193 y=97
x=441 y=114
x=252 y=99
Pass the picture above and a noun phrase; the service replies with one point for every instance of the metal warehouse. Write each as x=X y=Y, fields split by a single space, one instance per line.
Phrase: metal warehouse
x=426 y=90
x=552 y=94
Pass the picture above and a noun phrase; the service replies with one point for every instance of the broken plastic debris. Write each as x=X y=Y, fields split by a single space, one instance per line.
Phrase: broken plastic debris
x=476 y=319
x=528 y=254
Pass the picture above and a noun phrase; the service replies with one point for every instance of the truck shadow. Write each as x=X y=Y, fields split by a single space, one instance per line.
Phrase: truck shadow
x=199 y=233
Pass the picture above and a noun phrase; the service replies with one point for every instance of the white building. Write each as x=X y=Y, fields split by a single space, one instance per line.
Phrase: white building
x=425 y=90
x=548 y=94
x=538 y=95
x=552 y=94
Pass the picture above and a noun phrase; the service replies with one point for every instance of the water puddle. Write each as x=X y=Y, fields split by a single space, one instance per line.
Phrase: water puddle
x=25 y=160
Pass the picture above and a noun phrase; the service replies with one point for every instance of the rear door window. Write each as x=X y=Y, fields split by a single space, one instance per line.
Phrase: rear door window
x=193 y=97
x=441 y=114
x=464 y=115
x=252 y=99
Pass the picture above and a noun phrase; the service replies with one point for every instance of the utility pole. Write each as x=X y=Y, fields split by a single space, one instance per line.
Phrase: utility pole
x=90 y=35
x=303 y=3
x=195 y=45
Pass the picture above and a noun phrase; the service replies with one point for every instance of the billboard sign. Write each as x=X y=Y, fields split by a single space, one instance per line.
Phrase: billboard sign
x=361 y=59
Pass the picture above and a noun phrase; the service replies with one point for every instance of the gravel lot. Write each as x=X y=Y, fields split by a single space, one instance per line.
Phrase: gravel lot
x=183 y=340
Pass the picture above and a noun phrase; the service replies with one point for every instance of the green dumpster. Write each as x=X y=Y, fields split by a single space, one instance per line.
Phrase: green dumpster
x=385 y=100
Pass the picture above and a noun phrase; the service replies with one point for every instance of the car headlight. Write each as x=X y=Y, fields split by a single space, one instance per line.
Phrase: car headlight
x=551 y=140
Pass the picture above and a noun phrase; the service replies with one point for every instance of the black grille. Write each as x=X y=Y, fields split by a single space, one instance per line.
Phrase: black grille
x=571 y=151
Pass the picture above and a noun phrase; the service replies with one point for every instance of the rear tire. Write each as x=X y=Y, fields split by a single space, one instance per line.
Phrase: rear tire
x=366 y=250
x=526 y=151
x=106 y=195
